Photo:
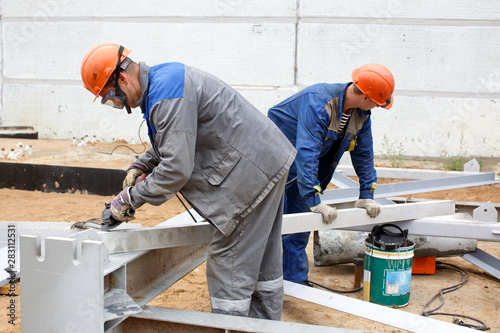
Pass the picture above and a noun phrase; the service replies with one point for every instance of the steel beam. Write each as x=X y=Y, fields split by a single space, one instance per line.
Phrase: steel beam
x=460 y=206
x=152 y=272
x=382 y=314
x=119 y=272
x=157 y=237
x=411 y=187
x=159 y=319
x=485 y=261
x=301 y=222
x=449 y=226
x=165 y=236
x=407 y=174
x=342 y=181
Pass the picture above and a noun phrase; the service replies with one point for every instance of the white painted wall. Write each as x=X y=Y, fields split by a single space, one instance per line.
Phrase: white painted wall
x=445 y=57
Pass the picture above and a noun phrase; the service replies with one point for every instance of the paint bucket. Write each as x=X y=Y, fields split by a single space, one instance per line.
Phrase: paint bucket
x=387 y=268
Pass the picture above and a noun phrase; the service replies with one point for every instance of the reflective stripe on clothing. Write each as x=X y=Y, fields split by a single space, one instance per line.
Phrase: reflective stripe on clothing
x=271 y=285
x=229 y=305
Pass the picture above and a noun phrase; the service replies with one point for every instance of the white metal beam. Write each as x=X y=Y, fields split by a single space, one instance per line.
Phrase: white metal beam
x=194 y=321
x=342 y=181
x=301 y=222
x=158 y=237
x=411 y=187
x=485 y=261
x=460 y=206
x=382 y=314
x=447 y=227
x=401 y=173
x=165 y=236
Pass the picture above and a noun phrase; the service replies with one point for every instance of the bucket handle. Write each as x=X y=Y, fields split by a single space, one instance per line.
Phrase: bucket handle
x=381 y=227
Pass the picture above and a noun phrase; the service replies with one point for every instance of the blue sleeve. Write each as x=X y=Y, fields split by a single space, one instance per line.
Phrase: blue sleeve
x=311 y=127
x=362 y=161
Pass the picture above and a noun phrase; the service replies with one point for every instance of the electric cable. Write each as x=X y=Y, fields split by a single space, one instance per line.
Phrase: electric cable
x=463 y=273
x=185 y=207
x=334 y=290
x=128 y=147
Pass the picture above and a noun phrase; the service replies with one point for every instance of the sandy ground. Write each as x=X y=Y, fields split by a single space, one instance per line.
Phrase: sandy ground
x=479 y=298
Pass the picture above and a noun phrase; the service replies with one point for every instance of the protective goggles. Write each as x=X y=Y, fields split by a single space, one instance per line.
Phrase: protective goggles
x=114 y=99
x=389 y=101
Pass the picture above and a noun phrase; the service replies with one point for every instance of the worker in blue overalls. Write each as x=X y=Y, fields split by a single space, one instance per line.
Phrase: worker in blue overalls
x=322 y=122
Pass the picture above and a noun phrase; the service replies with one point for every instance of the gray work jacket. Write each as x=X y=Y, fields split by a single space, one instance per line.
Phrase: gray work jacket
x=209 y=143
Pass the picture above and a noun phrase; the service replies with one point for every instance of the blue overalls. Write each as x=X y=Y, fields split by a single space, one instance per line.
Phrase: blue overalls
x=308 y=119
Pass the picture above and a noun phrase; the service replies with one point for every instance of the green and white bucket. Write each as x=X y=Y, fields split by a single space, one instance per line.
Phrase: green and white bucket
x=387 y=268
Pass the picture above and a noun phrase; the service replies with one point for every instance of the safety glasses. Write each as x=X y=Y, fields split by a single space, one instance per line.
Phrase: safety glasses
x=114 y=99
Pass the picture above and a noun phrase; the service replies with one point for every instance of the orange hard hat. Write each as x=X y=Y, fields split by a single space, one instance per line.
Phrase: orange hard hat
x=376 y=82
x=98 y=65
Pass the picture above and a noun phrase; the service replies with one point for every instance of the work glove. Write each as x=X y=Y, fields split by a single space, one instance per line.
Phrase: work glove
x=371 y=206
x=121 y=208
x=329 y=213
x=134 y=171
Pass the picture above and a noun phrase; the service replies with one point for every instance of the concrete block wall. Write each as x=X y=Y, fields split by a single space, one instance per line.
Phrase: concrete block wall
x=444 y=56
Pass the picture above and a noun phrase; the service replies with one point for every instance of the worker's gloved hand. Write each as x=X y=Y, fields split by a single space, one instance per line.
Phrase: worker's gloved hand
x=329 y=213
x=121 y=209
x=134 y=171
x=371 y=206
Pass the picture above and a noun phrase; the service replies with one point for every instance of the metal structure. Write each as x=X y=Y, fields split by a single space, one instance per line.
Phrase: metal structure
x=119 y=272
x=101 y=282
x=411 y=187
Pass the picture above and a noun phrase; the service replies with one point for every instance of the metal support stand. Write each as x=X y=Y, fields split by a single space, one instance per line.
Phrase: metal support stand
x=70 y=283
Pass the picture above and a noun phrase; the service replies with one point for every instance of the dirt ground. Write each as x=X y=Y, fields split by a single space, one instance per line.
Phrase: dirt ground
x=479 y=297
